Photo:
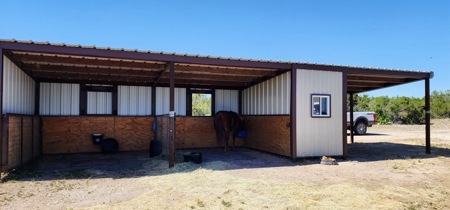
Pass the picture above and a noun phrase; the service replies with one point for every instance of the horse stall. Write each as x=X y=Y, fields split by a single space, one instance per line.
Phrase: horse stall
x=53 y=97
x=268 y=133
x=74 y=134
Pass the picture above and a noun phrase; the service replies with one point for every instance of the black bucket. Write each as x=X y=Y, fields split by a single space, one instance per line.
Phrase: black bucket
x=155 y=148
x=110 y=146
x=97 y=138
x=195 y=157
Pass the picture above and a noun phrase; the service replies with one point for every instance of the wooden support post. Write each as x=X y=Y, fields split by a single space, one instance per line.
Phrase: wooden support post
x=351 y=118
x=427 y=116
x=293 y=115
x=344 y=113
x=154 y=102
x=115 y=102
x=172 y=117
x=240 y=102
x=3 y=141
x=37 y=95
x=213 y=102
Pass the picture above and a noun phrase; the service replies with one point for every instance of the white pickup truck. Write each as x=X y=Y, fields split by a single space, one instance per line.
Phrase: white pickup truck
x=361 y=120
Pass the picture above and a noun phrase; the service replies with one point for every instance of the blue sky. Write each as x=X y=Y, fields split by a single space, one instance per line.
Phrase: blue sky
x=411 y=35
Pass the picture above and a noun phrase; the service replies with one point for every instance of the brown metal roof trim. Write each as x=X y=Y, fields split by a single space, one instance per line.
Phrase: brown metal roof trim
x=70 y=49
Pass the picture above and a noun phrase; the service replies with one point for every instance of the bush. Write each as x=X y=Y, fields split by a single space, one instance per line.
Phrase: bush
x=404 y=110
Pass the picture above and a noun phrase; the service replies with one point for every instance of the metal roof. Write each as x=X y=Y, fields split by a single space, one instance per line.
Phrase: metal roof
x=53 y=62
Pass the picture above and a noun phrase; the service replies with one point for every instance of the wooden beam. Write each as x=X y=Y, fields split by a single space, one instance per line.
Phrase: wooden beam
x=75 y=69
x=373 y=79
x=205 y=82
x=89 y=78
x=195 y=76
x=225 y=71
x=122 y=54
x=127 y=64
x=86 y=61
x=166 y=68
x=364 y=84
x=356 y=89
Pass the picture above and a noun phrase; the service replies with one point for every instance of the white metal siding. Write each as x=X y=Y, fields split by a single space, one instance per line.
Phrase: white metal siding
x=134 y=100
x=59 y=99
x=99 y=102
x=227 y=100
x=18 y=90
x=163 y=101
x=319 y=136
x=271 y=97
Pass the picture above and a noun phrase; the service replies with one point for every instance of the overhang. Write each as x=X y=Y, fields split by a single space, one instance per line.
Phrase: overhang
x=47 y=62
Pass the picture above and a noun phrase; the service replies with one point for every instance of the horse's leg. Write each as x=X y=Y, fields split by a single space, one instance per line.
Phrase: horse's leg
x=234 y=140
x=226 y=142
x=218 y=138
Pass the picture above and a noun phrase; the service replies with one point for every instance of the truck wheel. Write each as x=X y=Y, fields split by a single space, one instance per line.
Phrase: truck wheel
x=360 y=128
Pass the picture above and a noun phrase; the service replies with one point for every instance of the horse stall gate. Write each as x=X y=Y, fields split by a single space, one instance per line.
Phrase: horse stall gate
x=21 y=140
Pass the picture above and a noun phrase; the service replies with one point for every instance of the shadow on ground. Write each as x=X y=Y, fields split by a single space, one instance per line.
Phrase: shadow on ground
x=378 y=151
x=370 y=134
x=138 y=164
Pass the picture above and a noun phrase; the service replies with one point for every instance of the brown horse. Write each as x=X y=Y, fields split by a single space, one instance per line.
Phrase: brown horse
x=226 y=123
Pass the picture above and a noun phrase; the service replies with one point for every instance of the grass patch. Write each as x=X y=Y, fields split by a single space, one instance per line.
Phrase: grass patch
x=200 y=203
x=27 y=171
x=226 y=203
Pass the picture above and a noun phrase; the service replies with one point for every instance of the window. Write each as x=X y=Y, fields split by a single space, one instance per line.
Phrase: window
x=320 y=104
x=199 y=102
x=98 y=99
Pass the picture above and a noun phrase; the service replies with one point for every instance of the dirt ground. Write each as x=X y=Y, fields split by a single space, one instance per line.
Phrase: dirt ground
x=386 y=169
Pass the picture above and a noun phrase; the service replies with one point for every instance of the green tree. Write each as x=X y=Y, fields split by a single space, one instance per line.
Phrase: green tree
x=201 y=104
x=401 y=109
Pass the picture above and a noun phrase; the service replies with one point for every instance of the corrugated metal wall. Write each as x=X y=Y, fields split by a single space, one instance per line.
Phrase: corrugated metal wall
x=227 y=100
x=99 y=102
x=134 y=100
x=18 y=90
x=163 y=101
x=59 y=99
x=271 y=97
x=319 y=136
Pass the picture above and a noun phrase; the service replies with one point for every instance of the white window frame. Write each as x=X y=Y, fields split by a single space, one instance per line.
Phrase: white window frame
x=320 y=105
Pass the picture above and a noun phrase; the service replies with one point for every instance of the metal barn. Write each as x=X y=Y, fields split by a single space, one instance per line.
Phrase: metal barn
x=55 y=96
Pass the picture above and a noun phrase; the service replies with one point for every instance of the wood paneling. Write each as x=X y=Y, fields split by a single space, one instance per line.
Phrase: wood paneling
x=268 y=133
x=73 y=134
x=21 y=138
x=134 y=133
x=36 y=136
x=27 y=138
x=14 y=141
x=198 y=132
